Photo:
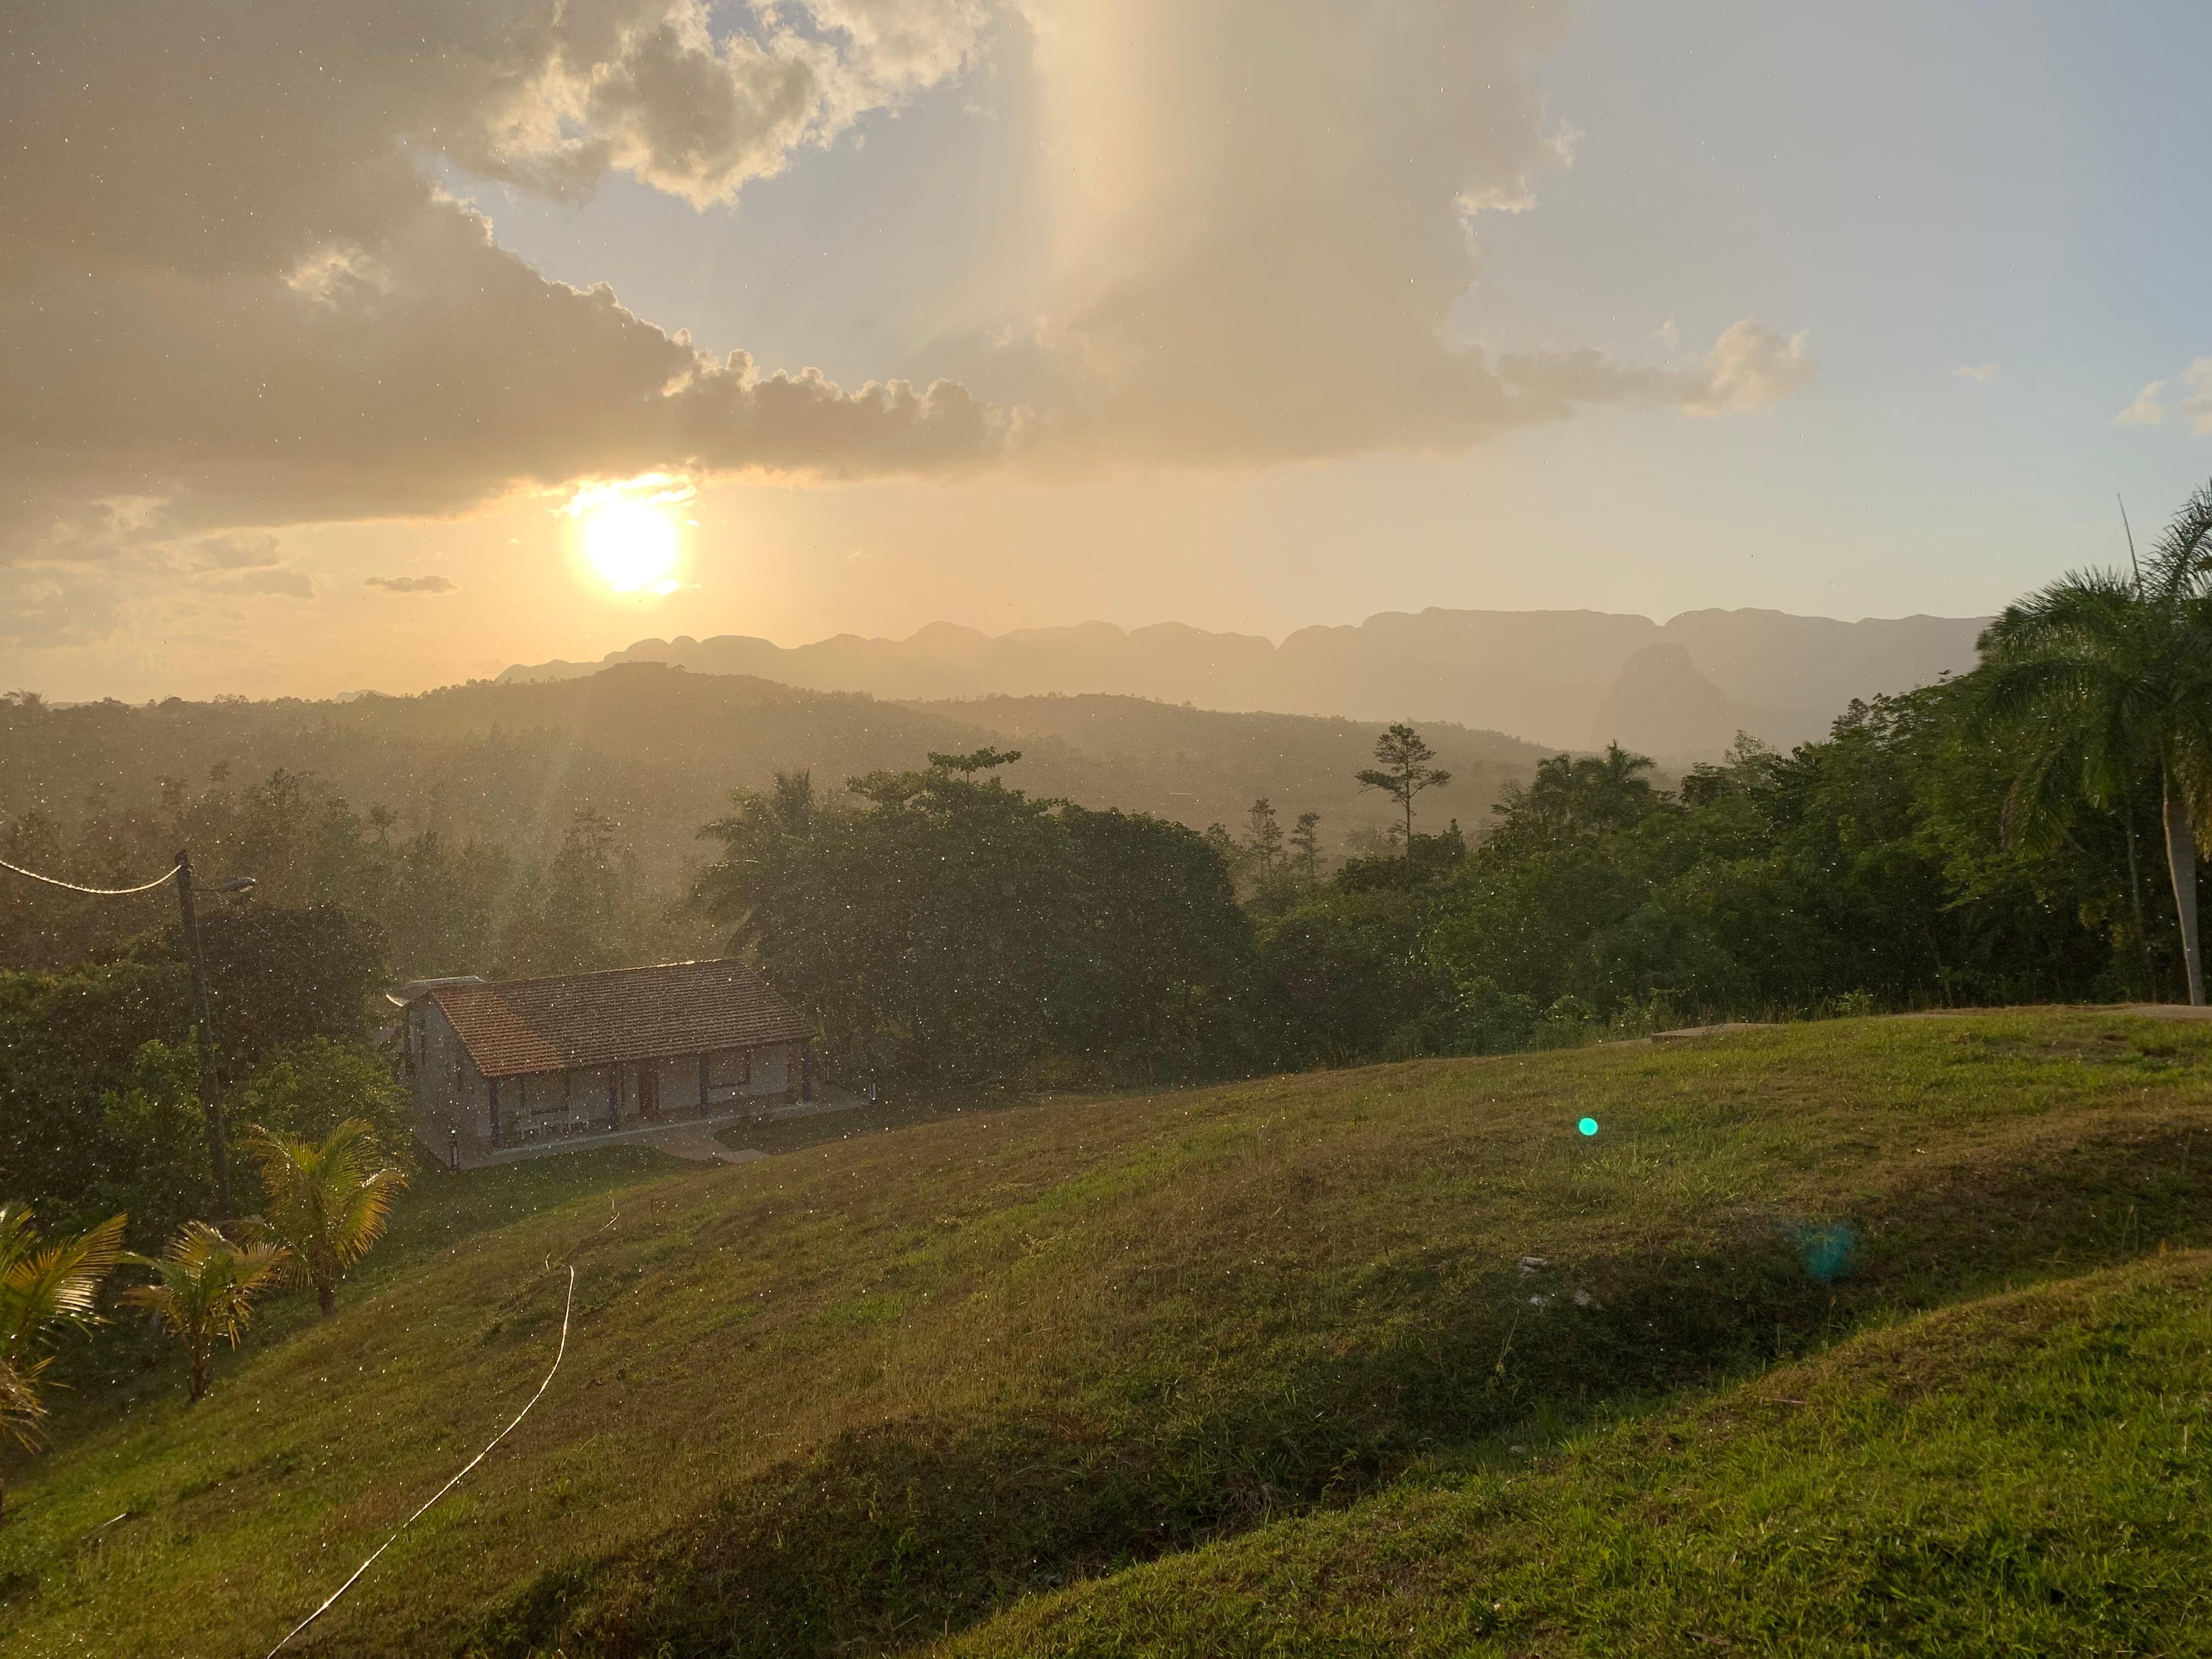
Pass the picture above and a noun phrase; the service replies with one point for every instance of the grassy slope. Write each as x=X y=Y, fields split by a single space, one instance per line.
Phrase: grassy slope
x=2027 y=1473
x=869 y=1391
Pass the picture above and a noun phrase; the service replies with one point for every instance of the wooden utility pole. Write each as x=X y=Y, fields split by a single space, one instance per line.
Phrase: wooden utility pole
x=218 y=1140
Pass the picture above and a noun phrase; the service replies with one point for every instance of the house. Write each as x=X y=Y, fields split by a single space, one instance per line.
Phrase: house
x=496 y=1066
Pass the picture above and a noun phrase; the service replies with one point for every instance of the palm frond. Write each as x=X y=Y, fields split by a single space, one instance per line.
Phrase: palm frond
x=44 y=1283
x=2181 y=564
x=22 y=1408
x=206 y=1283
x=328 y=1203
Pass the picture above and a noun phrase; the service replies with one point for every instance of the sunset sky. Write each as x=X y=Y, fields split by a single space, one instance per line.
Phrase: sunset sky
x=330 y=332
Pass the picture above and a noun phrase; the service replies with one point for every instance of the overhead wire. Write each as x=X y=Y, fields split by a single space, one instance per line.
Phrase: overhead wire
x=165 y=878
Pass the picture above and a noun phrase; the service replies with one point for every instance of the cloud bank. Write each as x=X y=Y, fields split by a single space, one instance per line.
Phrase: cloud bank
x=1273 y=207
x=229 y=286
x=233 y=294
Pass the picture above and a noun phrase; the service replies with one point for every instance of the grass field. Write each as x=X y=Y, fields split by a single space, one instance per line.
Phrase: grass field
x=2021 y=1474
x=878 y=1390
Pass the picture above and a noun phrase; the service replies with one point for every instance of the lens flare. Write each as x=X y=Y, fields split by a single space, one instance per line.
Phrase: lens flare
x=1587 y=1126
x=632 y=546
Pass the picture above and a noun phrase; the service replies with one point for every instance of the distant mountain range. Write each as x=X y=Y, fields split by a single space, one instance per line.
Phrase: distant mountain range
x=1567 y=679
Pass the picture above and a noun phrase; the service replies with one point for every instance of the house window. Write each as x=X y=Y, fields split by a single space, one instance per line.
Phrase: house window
x=728 y=1071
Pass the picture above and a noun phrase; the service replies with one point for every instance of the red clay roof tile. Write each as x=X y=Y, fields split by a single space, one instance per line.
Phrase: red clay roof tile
x=530 y=1026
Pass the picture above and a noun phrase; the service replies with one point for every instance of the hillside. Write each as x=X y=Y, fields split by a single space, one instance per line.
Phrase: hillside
x=659 y=751
x=2025 y=1473
x=874 y=1390
x=1565 y=679
x=1201 y=766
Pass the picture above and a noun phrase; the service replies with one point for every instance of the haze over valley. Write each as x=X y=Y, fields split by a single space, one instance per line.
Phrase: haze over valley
x=1563 y=679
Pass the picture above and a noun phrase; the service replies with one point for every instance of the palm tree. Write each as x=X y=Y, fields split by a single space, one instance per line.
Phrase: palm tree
x=327 y=1203
x=45 y=1286
x=206 y=1290
x=2103 y=679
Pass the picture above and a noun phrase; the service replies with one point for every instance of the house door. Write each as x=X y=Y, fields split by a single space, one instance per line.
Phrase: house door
x=648 y=1091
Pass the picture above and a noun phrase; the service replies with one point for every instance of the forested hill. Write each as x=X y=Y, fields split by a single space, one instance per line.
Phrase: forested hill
x=1200 y=766
x=657 y=751
x=1679 y=690
x=108 y=790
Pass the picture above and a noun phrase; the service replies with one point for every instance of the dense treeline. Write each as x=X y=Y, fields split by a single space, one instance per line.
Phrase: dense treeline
x=2026 y=832
x=1869 y=871
x=949 y=928
x=99 y=1108
x=438 y=905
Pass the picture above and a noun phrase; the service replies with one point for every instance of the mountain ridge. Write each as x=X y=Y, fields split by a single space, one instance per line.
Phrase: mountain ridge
x=1553 y=677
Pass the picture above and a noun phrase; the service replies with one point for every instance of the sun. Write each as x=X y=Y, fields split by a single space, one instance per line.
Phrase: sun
x=632 y=546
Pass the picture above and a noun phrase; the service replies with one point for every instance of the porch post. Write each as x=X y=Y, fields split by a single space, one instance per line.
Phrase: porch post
x=614 y=1096
x=492 y=1099
x=702 y=1086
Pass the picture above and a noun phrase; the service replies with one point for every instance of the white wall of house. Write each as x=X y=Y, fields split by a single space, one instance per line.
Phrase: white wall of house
x=448 y=1090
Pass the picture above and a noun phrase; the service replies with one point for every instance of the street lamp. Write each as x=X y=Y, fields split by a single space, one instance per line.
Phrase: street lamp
x=218 y=1139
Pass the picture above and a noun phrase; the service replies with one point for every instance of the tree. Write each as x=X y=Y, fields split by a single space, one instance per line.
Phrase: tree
x=327 y=1202
x=1405 y=771
x=1157 y=963
x=1263 y=836
x=2101 y=680
x=1570 y=798
x=279 y=974
x=205 y=1291
x=918 y=931
x=952 y=931
x=1305 y=848
x=45 y=1287
x=311 y=1087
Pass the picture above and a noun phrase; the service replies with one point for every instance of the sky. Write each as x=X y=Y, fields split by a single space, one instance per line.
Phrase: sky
x=380 y=348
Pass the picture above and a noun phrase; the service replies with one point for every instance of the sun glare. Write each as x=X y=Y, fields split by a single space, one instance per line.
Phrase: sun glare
x=632 y=546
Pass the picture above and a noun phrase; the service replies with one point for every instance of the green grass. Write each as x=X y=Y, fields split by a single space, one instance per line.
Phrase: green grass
x=882 y=1387
x=2027 y=1473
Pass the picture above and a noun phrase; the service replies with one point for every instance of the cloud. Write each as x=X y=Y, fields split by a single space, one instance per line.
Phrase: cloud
x=433 y=584
x=234 y=295
x=2146 y=410
x=291 y=584
x=1980 y=373
x=231 y=289
x=2193 y=405
x=95 y=572
x=1267 y=211
x=1750 y=369
x=236 y=550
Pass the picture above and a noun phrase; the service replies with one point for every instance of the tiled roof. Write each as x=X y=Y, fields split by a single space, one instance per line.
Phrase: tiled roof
x=603 y=1019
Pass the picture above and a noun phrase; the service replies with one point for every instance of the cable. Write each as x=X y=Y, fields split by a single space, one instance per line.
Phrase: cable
x=449 y=1485
x=102 y=893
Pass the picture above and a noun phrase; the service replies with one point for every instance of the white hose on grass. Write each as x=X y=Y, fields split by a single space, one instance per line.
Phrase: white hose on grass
x=449 y=1485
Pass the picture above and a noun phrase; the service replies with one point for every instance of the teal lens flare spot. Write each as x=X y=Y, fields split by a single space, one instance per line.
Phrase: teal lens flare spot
x=1587 y=1126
